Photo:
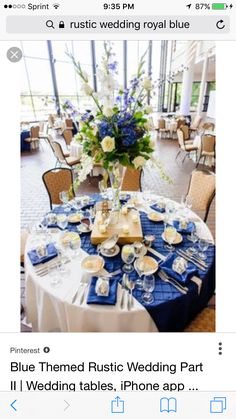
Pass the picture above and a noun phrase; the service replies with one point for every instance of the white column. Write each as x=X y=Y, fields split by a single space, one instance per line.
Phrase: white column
x=203 y=85
x=187 y=81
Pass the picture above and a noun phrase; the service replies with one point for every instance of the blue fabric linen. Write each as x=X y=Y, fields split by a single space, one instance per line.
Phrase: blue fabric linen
x=190 y=227
x=155 y=207
x=35 y=259
x=24 y=146
x=166 y=266
x=93 y=298
x=171 y=310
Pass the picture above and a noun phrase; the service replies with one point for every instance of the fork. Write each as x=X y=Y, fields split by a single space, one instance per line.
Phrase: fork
x=173 y=282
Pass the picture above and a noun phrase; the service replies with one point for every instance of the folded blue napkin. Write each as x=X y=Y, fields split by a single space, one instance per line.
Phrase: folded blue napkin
x=155 y=207
x=93 y=298
x=166 y=266
x=51 y=253
x=190 y=227
x=124 y=199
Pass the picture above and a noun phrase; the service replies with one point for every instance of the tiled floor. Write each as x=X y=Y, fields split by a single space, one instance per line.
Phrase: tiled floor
x=34 y=199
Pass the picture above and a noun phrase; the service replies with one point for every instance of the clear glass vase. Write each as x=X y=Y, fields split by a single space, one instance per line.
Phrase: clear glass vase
x=115 y=176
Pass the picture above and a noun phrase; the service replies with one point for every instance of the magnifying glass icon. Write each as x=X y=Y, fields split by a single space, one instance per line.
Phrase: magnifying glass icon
x=50 y=24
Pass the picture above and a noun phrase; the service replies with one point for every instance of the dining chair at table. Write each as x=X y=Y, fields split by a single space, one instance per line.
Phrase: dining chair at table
x=207 y=148
x=201 y=191
x=69 y=123
x=131 y=180
x=34 y=137
x=186 y=133
x=180 y=122
x=162 y=127
x=195 y=125
x=56 y=181
x=208 y=126
x=61 y=157
x=187 y=146
x=67 y=135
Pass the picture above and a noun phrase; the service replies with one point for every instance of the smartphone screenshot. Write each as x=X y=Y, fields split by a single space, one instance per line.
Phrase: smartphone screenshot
x=117 y=210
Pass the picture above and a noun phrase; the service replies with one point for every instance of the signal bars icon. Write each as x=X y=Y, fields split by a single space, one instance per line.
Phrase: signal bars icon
x=56 y=5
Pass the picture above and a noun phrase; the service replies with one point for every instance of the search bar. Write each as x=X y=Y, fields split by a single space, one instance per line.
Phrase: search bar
x=118 y=24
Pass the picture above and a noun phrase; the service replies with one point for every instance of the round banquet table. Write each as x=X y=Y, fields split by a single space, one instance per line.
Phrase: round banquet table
x=50 y=309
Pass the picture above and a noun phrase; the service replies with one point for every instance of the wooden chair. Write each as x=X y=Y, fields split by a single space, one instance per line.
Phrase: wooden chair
x=180 y=121
x=131 y=180
x=67 y=135
x=69 y=123
x=187 y=147
x=201 y=190
x=203 y=322
x=61 y=157
x=162 y=128
x=207 y=148
x=196 y=123
x=186 y=133
x=208 y=126
x=56 y=181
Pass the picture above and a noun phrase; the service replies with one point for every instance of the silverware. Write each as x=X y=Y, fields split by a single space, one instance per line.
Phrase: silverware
x=76 y=294
x=131 y=285
x=47 y=269
x=190 y=259
x=172 y=281
x=83 y=294
x=195 y=257
x=156 y=253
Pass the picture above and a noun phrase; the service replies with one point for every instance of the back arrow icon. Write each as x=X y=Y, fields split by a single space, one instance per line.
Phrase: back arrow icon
x=67 y=405
x=12 y=405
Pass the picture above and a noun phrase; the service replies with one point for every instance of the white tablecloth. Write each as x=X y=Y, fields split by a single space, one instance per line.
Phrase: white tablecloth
x=76 y=149
x=50 y=309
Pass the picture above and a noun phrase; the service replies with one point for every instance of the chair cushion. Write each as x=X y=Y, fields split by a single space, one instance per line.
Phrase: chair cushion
x=190 y=147
x=72 y=160
x=208 y=153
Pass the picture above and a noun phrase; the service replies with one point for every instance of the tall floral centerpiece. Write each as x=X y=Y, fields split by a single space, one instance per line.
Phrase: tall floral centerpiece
x=115 y=132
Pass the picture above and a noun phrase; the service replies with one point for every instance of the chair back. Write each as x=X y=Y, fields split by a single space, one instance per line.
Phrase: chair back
x=208 y=126
x=131 y=179
x=185 y=130
x=180 y=136
x=208 y=143
x=56 y=181
x=51 y=120
x=67 y=134
x=69 y=123
x=58 y=151
x=196 y=121
x=34 y=132
x=202 y=190
x=161 y=124
x=180 y=122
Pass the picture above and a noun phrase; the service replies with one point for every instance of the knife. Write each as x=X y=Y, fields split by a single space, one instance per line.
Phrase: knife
x=156 y=253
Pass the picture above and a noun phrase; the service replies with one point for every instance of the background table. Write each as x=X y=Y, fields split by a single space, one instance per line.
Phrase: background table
x=24 y=145
x=50 y=309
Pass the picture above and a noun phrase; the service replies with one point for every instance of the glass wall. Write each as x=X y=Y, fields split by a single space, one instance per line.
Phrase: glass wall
x=49 y=77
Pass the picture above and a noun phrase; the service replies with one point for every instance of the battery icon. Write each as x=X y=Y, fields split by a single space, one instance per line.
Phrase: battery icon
x=219 y=6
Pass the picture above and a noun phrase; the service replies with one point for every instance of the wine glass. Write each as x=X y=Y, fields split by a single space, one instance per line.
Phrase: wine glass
x=170 y=211
x=103 y=189
x=64 y=197
x=62 y=221
x=74 y=245
x=140 y=271
x=170 y=234
x=194 y=239
x=128 y=256
x=148 y=286
x=203 y=246
x=55 y=276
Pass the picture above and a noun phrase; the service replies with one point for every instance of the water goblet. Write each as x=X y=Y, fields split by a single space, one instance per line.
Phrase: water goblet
x=128 y=256
x=74 y=245
x=203 y=246
x=62 y=221
x=148 y=286
x=194 y=239
x=170 y=234
x=55 y=277
x=140 y=271
x=103 y=189
x=64 y=197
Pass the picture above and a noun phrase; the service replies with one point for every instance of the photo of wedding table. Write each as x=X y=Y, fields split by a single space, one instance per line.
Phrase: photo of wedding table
x=54 y=309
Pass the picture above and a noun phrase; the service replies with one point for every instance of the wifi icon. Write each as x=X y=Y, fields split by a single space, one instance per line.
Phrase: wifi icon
x=56 y=5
